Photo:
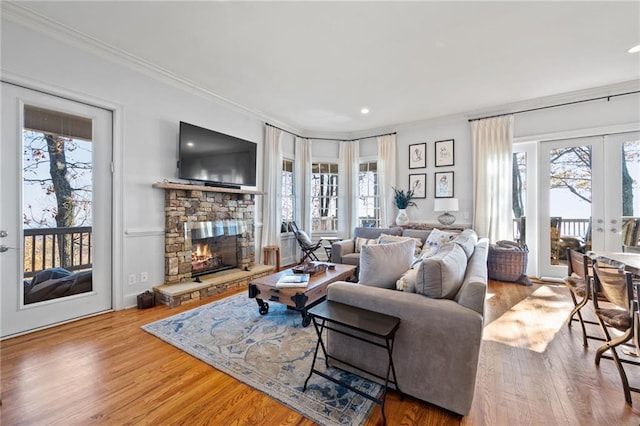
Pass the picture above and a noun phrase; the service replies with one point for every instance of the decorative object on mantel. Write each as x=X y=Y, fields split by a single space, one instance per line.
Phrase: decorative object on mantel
x=402 y=200
x=446 y=205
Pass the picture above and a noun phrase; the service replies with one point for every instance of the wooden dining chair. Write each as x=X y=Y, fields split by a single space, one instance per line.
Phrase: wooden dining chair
x=616 y=286
x=578 y=281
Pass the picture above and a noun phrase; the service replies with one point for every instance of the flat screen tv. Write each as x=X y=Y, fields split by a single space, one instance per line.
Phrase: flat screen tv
x=215 y=158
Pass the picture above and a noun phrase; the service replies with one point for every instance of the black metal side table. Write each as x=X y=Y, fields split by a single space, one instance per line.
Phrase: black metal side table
x=373 y=324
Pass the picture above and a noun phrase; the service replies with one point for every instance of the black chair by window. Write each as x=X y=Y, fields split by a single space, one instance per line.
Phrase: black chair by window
x=306 y=245
x=616 y=286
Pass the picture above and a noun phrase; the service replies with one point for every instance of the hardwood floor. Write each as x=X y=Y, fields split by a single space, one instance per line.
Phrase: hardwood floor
x=106 y=370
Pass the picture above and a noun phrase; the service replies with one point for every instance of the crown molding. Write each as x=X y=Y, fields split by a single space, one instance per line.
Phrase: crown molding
x=23 y=15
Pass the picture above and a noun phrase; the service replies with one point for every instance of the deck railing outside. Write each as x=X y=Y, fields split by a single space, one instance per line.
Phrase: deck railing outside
x=570 y=227
x=69 y=248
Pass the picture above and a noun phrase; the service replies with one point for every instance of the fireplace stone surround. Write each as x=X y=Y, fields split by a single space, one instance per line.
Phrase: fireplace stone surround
x=186 y=205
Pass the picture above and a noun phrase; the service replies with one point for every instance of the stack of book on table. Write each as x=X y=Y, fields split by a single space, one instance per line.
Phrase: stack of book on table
x=293 y=280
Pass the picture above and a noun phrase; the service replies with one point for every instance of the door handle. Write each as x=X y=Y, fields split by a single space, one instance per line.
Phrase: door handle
x=614 y=230
x=3 y=233
x=4 y=248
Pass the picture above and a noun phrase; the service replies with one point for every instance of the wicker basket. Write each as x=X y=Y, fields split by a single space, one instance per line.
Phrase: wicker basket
x=507 y=261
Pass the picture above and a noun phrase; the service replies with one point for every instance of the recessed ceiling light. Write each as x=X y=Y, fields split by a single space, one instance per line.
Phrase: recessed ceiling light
x=364 y=111
x=634 y=49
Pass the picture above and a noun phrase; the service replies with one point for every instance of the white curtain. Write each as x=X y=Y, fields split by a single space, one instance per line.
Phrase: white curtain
x=348 y=187
x=492 y=141
x=386 y=177
x=302 y=182
x=272 y=200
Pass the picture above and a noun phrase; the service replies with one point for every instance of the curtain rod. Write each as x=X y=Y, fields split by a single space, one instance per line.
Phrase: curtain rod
x=330 y=139
x=608 y=97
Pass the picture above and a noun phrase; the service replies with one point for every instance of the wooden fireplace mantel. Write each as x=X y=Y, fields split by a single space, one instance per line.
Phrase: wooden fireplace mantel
x=188 y=187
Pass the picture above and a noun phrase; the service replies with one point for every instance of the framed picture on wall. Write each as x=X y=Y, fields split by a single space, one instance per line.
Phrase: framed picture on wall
x=418 y=184
x=444 y=184
x=418 y=156
x=444 y=153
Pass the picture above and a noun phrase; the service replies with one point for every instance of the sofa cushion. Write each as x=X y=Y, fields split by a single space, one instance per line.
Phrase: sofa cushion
x=423 y=234
x=364 y=242
x=381 y=265
x=437 y=238
x=386 y=239
x=351 y=259
x=441 y=275
x=467 y=240
x=363 y=232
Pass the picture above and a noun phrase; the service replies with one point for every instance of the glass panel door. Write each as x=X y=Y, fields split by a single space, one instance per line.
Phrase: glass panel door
x=56 y=211
x=624 y=221
x=571 y=197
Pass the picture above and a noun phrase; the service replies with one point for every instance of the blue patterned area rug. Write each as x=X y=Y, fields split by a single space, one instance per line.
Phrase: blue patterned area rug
x=271 y=353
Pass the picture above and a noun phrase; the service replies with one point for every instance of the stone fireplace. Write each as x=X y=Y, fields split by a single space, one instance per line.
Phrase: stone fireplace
x=207 y=232
x=215 y=246
x=207 y=229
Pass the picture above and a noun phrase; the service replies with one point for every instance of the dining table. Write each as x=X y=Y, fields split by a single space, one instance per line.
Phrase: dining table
x=631 y=261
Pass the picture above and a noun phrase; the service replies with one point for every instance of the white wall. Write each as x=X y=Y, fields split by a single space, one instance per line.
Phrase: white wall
x=149 y=111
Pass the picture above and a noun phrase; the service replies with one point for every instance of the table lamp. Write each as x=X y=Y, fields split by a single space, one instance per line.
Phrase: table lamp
x=446 y=205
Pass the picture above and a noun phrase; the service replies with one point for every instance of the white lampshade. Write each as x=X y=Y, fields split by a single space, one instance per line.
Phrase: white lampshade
x=446 y=205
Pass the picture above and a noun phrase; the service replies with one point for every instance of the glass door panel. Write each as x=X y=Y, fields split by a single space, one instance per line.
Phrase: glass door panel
x=56 y=211
x=570 y=176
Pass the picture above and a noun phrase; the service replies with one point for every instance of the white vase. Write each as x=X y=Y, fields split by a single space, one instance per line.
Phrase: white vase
x=402 y=218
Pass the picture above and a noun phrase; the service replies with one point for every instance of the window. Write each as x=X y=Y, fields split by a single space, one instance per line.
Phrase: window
x=288 y=194
x=324 y=197
x=368 y=202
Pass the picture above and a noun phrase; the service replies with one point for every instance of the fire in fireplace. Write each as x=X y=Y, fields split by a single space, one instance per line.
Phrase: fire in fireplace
x=214 y=245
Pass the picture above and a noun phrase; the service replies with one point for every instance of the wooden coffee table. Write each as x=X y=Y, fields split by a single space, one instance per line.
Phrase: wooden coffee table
x=299 y=298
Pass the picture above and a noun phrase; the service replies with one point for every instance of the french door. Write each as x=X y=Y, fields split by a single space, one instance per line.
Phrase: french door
x=589 y=197
x=55 y=216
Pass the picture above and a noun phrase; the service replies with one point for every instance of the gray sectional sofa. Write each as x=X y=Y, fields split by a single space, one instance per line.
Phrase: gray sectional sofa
x=346 y=252
x=437 y=346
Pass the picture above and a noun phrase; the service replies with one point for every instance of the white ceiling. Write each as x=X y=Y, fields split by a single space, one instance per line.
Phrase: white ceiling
x=313 y=65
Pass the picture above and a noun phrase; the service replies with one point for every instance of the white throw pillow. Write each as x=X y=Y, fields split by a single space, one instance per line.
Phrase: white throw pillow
x=386 y=239
x=364 y=242
x=381 y=265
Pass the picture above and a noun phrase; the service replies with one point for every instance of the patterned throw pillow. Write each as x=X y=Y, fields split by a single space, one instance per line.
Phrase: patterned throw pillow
x=407 y=282
x=437 y=238
x=364 y=242
x=386 y=239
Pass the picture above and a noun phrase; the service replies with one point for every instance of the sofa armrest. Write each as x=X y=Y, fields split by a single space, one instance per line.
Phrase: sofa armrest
x=436 y=349
x=341 y=248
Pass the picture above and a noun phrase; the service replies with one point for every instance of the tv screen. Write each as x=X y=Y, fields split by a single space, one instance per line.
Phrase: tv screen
x=215 y=158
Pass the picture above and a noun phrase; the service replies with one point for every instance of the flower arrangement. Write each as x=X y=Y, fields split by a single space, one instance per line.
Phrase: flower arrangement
x=402 y=200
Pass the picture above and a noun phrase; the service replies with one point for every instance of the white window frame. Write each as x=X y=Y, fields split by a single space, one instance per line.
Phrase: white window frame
x=373 y=198
x=316 y=217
